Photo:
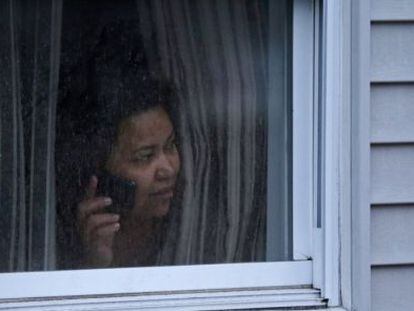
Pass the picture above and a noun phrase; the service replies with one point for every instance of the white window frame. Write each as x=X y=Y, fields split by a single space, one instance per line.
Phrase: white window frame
x=311 y=280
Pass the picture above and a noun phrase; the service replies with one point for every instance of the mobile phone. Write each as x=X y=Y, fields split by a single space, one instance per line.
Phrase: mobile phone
x=121 y=191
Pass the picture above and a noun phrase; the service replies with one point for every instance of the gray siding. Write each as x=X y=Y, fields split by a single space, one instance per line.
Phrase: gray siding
x=392 y=57
x=392 y=288
x=392 y=154
x=392 y=10
x=392 y=174
x=392 y=111
x=392 y=235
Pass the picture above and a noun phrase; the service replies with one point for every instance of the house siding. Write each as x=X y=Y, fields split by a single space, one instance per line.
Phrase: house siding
x=392 y=154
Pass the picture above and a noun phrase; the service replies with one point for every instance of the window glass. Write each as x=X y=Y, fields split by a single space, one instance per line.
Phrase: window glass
x=141 y=133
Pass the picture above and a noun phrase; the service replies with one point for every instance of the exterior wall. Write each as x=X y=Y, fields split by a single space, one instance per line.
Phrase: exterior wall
x=392 y=154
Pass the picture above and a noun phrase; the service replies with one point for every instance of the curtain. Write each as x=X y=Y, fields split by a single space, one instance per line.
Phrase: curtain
x=216 y=54
x=29 y=62
x=234 y=125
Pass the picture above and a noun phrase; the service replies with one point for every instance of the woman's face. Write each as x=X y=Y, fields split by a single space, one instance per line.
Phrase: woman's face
x=146 y=153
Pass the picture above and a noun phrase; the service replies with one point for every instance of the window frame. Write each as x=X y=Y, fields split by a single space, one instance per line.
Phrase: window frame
x=311 y=278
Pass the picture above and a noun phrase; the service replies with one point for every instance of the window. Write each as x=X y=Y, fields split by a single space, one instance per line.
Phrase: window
x=286 y=237
x=122 y=74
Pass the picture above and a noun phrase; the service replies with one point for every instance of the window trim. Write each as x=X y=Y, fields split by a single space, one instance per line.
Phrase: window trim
x=357 y=234
x=326 y=266
x=324 y=250
x=185 y=301
x=156 y=279
x=303 y=124
x=335 y=123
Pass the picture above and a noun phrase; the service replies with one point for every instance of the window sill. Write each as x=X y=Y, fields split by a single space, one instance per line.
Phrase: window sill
x=190 y=300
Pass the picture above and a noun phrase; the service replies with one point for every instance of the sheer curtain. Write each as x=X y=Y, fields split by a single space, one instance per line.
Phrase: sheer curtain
x=29 y=60
x=216 y=53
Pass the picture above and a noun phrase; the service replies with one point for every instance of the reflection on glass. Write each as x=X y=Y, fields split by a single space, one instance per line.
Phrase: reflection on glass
x=139 y=134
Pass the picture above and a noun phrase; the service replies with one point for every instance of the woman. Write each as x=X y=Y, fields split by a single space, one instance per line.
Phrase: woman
x=121 y=119
x=143 y=150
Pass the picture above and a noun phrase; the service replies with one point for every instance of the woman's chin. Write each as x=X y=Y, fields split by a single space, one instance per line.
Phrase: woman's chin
x=161 y=209
x=156 y=210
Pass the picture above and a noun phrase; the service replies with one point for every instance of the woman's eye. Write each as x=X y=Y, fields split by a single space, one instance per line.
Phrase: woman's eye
x=142 y=156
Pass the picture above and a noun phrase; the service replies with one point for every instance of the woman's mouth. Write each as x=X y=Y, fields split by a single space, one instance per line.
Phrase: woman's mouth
x=164 y=193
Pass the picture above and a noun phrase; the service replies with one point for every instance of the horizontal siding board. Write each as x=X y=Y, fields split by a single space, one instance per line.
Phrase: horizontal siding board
x=392 y=174
x=392 y=235
x=392 y=57
x=392 y=155
x=386 y=10
x=392 y=113
x=392 y=288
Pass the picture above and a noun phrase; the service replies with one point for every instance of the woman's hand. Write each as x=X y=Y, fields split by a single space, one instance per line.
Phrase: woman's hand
x=97 y=228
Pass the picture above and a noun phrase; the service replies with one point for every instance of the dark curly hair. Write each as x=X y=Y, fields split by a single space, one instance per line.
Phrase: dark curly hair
x=116 y=84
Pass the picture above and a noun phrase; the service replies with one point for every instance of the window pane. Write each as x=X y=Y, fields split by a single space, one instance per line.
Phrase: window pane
x=178 y=111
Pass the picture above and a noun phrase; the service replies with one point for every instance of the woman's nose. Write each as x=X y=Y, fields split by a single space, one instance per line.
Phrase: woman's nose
x=165 y=168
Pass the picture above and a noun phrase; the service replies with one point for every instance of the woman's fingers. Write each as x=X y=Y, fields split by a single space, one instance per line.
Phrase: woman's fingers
x=96 y=227
x=99 y=251
x=91 y=206
x=97 y=221
x=106 y=233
